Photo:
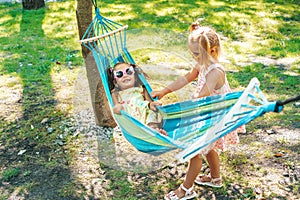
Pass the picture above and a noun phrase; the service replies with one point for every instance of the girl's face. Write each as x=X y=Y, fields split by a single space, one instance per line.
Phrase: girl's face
x=194 y=49
x=124 y=76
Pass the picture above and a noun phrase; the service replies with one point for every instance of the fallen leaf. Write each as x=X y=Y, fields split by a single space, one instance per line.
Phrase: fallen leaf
x=44 y=120
x=21 y=152
x=278 y=155
x=270 y=131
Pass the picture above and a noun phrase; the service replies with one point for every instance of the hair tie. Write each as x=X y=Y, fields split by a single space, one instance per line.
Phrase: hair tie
x=111 y=69
x=194 y=26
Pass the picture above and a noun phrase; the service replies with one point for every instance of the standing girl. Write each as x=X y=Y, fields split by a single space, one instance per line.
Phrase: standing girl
x=204 y=44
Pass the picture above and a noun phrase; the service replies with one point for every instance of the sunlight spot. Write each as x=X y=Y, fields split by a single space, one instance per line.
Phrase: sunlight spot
x=267 y=22
x=219 y=14
x=290 y=73
x=261 y=14
x=114 y=9
x=5 y=19
x=8 y=23
x=238 y=15
x=10 y=98
x=149 y=5
x=63 y=85
x=59 y=6
x=2 y=54
x=123 y=18
x=165 y=11
x=124 y=7
x=54 y=25
x=216 y=3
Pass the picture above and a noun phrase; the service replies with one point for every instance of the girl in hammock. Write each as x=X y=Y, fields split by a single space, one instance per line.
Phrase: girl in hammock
x=128 y=94
x=204 y=44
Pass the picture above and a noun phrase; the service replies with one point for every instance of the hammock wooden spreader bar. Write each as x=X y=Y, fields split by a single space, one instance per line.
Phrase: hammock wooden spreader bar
x=96 y=38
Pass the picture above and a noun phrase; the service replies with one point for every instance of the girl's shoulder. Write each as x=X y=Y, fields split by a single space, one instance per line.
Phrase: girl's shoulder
x=216 y=66
x=114 y=91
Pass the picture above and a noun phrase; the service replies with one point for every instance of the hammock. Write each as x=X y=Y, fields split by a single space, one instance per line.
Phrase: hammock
x=191 y=125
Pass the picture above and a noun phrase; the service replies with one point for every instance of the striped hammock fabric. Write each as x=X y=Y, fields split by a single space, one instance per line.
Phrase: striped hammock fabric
x=191 y=125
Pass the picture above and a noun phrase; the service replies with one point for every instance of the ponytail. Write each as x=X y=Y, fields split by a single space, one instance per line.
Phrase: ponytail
x=204 y=47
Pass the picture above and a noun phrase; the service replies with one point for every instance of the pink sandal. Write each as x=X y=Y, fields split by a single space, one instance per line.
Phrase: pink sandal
x=213 y=182
x=189 y=194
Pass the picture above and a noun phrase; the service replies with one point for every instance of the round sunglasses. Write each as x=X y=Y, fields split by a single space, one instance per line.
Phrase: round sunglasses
x=120 y=73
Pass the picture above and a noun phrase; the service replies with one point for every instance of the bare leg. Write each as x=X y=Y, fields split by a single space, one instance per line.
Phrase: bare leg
x=214 y=179
x=214 y=163
x=193 y=171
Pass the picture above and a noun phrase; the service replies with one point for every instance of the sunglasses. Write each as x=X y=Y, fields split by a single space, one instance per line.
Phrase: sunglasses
x=120 y=73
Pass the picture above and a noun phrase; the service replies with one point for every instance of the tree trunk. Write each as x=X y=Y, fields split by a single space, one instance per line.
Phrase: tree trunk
x=33 y=4
x=99 y=100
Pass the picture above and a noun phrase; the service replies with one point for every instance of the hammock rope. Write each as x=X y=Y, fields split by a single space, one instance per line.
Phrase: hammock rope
x=191 y=125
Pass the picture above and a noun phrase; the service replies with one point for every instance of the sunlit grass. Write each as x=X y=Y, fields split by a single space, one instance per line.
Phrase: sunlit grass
x=40 y=59
x=118 y=12
x=149 y=5
x=9 y=22
x=115 y=8
x=33 y=43
x=63 y=80
x=62 y=27
x=165 y=11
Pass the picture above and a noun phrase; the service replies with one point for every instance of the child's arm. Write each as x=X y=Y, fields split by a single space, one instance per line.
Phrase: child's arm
x=215 y=79
x=178 y=84
x=152 y=103
x=117 y=106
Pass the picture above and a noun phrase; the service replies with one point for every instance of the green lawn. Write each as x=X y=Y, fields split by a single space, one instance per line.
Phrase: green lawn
x=40 y=59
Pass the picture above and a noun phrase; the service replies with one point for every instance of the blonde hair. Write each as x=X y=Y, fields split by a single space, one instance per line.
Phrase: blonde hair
x=207 y=41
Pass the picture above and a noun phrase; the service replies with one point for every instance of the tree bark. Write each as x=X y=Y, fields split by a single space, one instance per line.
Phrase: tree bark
x=103 y=116
x=33 y=4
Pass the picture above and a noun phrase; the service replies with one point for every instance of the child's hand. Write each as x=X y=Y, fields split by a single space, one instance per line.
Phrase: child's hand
x=153 y=105
x=196 y=96
x=157 y=93
x=117 y=108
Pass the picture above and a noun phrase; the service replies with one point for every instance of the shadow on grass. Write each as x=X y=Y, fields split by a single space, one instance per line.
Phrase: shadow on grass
x=30 y=143
x=43 y=167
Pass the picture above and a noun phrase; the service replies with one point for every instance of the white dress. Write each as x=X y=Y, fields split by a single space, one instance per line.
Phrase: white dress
x=232 y=137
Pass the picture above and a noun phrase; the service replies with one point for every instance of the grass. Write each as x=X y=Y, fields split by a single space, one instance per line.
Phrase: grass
x=40 y=60
x=10 y=173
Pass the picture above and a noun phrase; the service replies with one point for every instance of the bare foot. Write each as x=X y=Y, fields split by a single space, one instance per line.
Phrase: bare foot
x=157 y=127
x=162 y=131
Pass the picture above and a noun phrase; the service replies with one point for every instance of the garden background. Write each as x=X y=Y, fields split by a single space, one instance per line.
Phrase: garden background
x=49 y=142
